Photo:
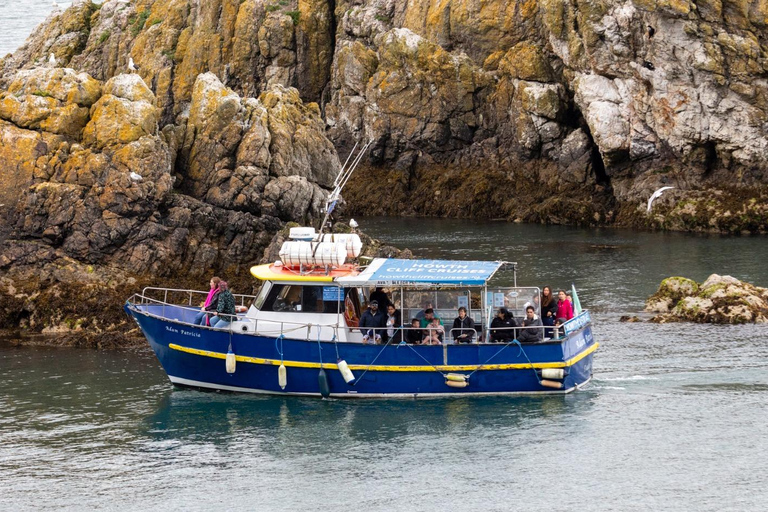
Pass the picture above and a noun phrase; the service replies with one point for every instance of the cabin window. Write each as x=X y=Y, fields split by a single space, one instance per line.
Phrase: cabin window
x=308 y=299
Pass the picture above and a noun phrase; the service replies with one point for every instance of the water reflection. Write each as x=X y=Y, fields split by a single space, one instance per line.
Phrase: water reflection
x=290 y=423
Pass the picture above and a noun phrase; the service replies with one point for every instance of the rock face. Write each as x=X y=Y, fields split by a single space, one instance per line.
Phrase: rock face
x=532 y=110
x=90 y=182
x=718 y=300
x=577 y=111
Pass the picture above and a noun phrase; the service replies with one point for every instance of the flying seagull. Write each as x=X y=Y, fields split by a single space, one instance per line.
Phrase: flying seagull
x=655 y=196
x=135 y=177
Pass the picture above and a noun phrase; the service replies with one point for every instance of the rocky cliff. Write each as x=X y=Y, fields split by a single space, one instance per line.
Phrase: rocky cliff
x=537 y=110
x=533 y=110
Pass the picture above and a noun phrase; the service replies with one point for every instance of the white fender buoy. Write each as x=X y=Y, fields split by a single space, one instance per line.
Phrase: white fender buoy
x=456 y=377
x=231 y=362
x=552 y=384
x=457 y=384
x=345 y=371
x=282 y=376
x=552 y=373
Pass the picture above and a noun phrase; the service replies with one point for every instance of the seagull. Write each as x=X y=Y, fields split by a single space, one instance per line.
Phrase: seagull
x=131 y=66
x=135 y=177
x=52 y=59
x=353 y=224
x=656 y=195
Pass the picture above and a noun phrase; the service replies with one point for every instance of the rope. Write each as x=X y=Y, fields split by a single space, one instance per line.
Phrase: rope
x=320 y=349
x=370 y=364
x=335 y=344
x=421 y=356
x=280 y=350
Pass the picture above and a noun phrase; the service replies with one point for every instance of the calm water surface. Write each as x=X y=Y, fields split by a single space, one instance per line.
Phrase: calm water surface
x=674 y=419
x=18 y=18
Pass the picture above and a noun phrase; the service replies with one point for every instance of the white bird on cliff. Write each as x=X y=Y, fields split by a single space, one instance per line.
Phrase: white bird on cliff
x=131 y=65
x=135 y=177
x=52 y=59
x=353 y=224
x=655 y=196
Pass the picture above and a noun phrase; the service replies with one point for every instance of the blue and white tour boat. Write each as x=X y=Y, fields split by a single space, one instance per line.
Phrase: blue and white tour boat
x=300 y=334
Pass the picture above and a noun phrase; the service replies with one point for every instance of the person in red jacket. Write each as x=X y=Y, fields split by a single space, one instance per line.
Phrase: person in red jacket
x=564 y=307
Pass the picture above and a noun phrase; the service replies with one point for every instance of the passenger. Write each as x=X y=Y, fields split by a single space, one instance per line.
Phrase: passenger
x=548 y=310
x=393 y=322
x=414 y=333
x=531 y=335
x=372 y=322
x=564 y=306
x=225 y=309
x=210 y=303
x=424 y=307
x=463 y=330
x=380 y=296
x=502 y=327
x=433 y=334
x=429 y=315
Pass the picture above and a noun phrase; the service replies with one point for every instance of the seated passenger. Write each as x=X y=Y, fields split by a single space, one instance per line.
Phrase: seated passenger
x=429 y=315
x=211 y=301
x=463 y=330
x=371 y=323
x=531 y=335
x=433 y=334
x=225 y=310
x=393 y=333
x=413 y=335
x=502 y=327
x=564 y=306
x=426 y=305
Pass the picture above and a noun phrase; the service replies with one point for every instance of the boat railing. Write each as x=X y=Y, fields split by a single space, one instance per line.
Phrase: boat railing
x=242 y=298
x=301 y=329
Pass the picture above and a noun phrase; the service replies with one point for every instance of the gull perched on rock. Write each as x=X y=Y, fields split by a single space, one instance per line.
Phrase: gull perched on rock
x=52 y=59
x=135 y=177
x=131 y=65
x=353 y=224
x=655 y=196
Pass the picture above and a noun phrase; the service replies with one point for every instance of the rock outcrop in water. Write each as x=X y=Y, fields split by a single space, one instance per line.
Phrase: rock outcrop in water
x=718 y=300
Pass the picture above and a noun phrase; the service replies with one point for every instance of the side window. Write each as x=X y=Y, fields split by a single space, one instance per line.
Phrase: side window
x=283 y=297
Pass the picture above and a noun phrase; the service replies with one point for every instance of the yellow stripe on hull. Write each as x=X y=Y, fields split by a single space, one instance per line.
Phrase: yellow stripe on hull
x=391 y=368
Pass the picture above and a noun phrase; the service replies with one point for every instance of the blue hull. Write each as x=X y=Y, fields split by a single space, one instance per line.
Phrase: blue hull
x=194 y=356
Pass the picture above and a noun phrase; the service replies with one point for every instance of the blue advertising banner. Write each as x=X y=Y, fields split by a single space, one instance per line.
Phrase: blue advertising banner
x=397 y=271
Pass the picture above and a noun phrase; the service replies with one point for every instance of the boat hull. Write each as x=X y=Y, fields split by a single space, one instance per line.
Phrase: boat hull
x=195 y=356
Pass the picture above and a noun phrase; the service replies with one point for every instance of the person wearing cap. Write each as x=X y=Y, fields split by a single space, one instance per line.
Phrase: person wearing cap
x=372 y=323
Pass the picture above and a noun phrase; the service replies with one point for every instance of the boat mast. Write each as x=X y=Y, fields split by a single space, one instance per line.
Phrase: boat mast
x=343 y=177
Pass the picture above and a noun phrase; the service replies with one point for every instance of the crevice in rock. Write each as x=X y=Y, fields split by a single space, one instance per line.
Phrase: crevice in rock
x=326 y=95
x=710 y=156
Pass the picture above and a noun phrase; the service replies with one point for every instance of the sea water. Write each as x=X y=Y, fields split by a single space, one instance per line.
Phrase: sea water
x=675 y=418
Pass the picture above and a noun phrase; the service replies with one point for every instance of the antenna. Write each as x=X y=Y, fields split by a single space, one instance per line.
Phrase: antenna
x=340 y=181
